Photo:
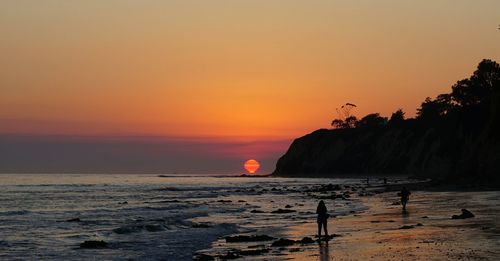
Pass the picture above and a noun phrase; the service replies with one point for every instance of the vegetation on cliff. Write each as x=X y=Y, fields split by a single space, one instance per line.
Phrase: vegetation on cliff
x=454 y=136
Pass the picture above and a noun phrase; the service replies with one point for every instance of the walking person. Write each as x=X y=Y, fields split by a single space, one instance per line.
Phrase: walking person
x=405 y=196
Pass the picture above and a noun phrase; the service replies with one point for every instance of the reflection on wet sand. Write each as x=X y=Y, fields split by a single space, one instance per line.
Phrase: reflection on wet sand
x=425 y=232
x=324 y=254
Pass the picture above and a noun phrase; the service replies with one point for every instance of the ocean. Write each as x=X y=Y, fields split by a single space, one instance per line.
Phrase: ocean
x=146 y=217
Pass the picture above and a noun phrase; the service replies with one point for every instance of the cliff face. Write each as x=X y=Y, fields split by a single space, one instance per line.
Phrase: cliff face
x=462 y=150
x=455 y=138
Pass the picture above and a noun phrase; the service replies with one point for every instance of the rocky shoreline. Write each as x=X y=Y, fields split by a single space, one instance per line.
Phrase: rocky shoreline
x=383 y=214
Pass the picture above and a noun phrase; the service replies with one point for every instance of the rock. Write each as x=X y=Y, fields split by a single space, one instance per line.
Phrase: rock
x=465 y=214
x=94 y=244
x=288 y=206
x=128 y=229
x=203 y=257
x=252 y=252
x=257 y=246
x=407 y=227
x=200 y=225
x=224 y=201
x=332 y=187
x=229 y=255
x=256 y=211
x=283 y=242
x=419 y=224
x=123 y=203
x=245 y=238
x=332 y=196
x=74 y=220
x=241 y=201
x=425 y=217
x=306 y=240
x=283 y=211
x=154 y=228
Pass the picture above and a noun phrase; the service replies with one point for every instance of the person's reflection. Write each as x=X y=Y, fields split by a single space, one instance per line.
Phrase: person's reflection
x=323 y=251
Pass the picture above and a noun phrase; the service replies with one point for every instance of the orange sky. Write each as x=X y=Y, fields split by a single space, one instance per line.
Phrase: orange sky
x=266 y=69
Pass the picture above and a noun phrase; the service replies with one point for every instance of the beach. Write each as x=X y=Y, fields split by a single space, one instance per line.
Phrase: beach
x=427 y=232
x=382 y=232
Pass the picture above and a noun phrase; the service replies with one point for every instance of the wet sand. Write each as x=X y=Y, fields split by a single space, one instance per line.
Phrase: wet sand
x=376 y=233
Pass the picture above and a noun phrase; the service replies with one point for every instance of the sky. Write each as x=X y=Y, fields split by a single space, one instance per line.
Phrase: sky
x=201 y=86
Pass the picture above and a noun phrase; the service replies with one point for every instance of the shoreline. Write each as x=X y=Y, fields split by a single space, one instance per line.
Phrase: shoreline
x=426 y=232
x=382 y=232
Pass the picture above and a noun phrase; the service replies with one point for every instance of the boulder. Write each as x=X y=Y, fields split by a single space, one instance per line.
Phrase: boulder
x=94 y=244
x=245 y=238
x=283 y=242
x=407 y=227
x=154 y=228
x=283 y=211
x=252 y=252
x=306 y=240
x=465 y=214
x=203 y=257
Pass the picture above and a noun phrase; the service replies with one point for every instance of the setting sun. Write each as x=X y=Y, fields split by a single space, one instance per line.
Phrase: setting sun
x=251 y=166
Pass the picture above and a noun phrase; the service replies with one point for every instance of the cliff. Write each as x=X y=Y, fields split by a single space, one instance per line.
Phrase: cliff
x=459 y=153
x=454 y=138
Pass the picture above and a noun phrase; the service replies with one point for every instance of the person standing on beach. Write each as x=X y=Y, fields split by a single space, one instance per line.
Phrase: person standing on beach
x=405 y=196
x=322 y=218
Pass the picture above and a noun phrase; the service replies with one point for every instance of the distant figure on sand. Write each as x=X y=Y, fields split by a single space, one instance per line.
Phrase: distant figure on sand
x=405 y=196
x=322 y=218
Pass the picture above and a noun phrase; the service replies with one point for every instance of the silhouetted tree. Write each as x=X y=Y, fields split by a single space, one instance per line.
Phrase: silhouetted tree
x=373 y=120
x=338 y=124
x=397 y=118
x=429 y=110
x=478 y=87
x=345 y=119
x=350 y=122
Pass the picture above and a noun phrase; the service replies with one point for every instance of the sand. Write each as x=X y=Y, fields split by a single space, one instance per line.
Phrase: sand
x=376 y=233
x=379 y=230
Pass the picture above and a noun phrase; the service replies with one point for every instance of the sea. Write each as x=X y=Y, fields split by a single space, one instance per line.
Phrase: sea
x=146 y=217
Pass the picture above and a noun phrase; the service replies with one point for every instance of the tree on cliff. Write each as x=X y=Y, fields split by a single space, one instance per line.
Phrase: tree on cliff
x=397 y=118
x=479 y=87
x=432 y=110
x=345 y=119
x=372 y=121
x=466 y=95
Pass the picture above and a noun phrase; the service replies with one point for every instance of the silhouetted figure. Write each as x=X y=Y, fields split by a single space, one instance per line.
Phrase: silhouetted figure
x=368 y=181
x=385 y=181
x=405 y=196
x=322 y=218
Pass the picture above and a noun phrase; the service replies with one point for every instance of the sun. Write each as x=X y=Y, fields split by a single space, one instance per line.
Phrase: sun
x=251 y=166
